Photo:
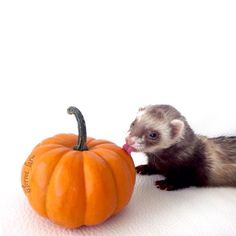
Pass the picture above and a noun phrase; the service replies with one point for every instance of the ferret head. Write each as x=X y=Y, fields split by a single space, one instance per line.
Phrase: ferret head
x=155 y=128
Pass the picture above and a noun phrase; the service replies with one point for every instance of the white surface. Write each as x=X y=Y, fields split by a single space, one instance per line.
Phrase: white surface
x=151 y=212
x=109 y=58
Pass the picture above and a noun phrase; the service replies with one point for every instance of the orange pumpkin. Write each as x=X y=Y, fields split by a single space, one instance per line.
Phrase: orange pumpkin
x=76 y=184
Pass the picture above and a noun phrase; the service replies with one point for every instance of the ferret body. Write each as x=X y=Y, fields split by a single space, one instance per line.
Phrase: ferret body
x=175 y=151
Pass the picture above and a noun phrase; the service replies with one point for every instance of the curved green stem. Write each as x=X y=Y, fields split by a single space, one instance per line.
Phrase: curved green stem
x=82 y=137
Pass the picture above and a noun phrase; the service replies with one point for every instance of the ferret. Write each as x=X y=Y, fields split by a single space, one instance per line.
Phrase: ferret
x=177 y=153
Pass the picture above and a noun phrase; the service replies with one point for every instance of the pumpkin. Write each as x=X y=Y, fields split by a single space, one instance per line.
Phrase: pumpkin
x=74 y=180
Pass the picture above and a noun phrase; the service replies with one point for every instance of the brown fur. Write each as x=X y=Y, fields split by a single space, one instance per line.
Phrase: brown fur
x=221 y=153
x=183 y=157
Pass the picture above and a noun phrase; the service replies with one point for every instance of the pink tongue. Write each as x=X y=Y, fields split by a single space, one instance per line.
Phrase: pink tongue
x=128 y=148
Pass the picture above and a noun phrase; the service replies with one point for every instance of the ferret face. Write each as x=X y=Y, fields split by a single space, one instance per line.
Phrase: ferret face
x=155 y=128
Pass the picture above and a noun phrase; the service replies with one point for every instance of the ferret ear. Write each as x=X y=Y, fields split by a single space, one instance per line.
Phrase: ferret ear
x=177 y=128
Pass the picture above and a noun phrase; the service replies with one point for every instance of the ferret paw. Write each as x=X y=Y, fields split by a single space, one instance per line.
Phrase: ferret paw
x=164 y=185
x=144 y=170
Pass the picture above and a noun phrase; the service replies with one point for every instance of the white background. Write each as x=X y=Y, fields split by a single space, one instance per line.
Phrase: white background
x=108 y=58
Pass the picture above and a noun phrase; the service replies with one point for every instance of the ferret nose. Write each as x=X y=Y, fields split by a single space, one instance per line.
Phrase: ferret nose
x=129 y=141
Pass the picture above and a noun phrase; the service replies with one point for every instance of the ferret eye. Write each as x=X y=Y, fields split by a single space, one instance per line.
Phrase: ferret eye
x=153 y=135
x=132 y=124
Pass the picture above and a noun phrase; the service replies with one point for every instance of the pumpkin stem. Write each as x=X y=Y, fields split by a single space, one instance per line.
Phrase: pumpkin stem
x=82 y=137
